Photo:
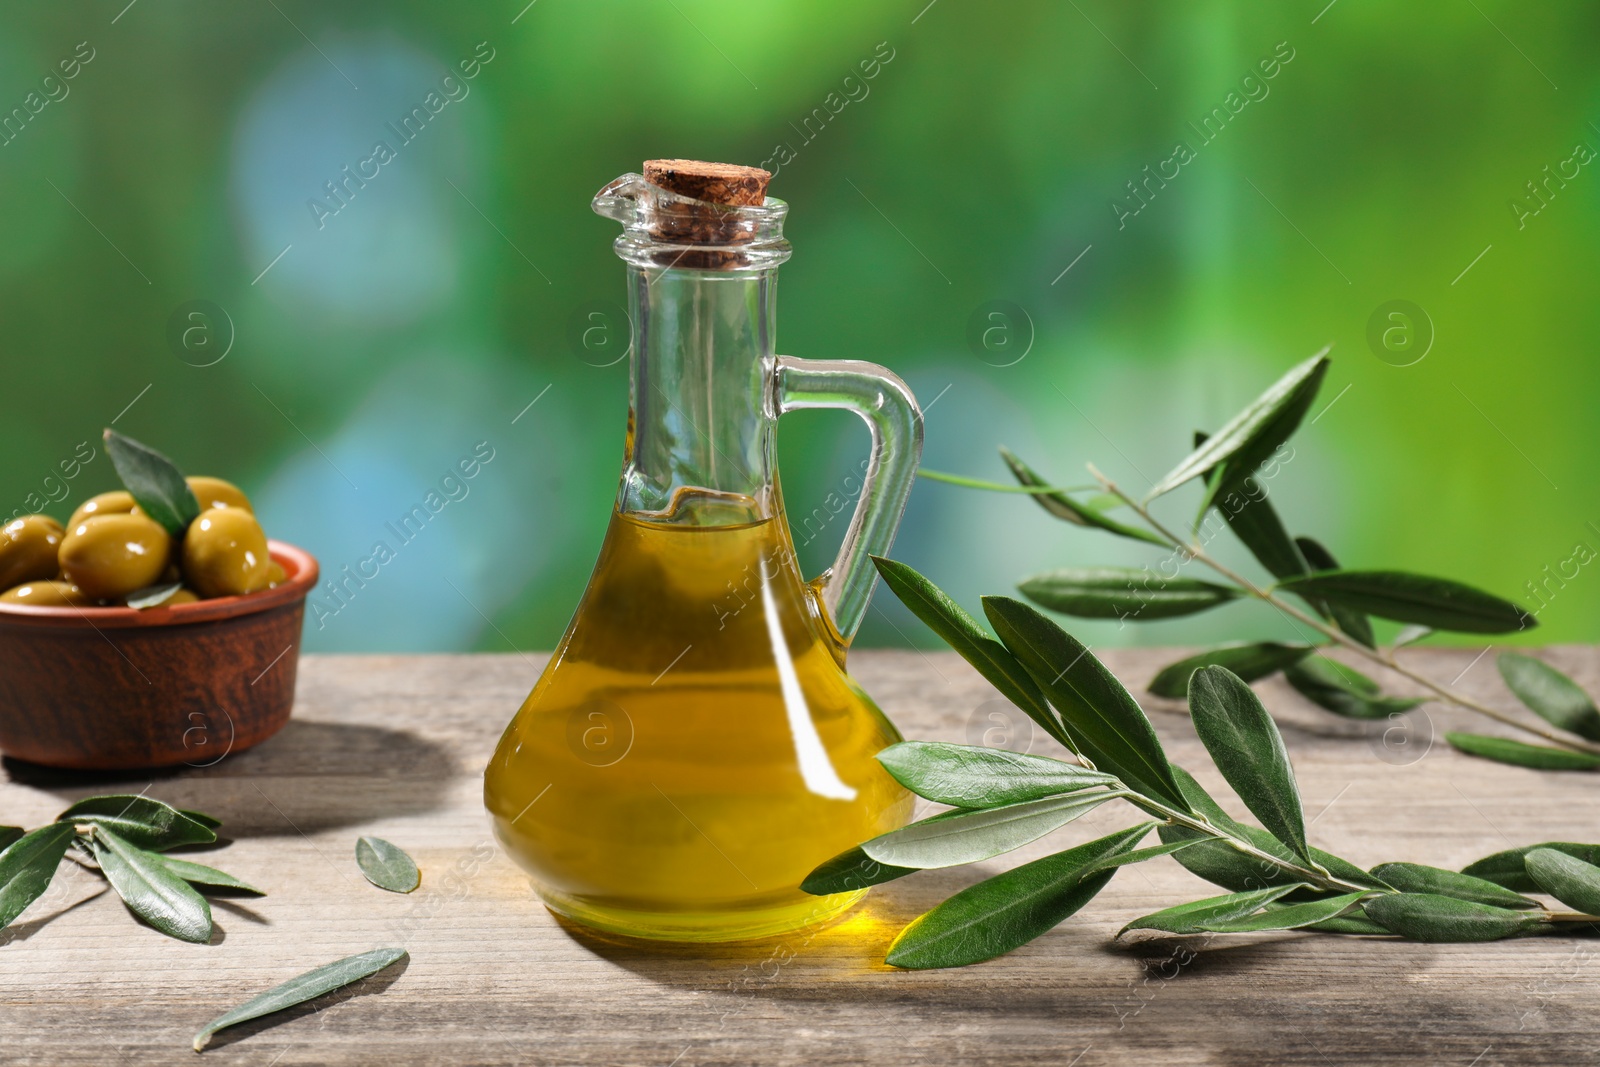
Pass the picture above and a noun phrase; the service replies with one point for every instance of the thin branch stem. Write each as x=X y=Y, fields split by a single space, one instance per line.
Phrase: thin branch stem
x=1305 y=874
x=1382 y=659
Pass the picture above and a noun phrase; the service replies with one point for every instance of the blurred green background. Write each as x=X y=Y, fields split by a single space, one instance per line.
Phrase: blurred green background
x=1385 y=159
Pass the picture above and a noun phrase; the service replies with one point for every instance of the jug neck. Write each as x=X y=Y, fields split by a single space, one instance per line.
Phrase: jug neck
x=701 y=442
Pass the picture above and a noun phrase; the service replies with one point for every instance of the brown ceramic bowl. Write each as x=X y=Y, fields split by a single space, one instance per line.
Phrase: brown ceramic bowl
x=119 y=689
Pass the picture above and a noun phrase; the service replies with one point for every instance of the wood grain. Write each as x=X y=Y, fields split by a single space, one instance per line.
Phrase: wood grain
x=395 y=746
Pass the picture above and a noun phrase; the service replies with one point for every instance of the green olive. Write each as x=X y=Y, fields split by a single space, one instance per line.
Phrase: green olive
x=225 y=553
x=216 y=493
x=48 y=594
x=112 y=555
x=276 y=575
x=116 y=502
x=28 y=548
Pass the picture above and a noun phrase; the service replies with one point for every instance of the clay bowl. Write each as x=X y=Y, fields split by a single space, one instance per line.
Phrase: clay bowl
x=120 y=689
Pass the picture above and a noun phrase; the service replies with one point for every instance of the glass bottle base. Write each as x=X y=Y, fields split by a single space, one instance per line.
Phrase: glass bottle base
x=702 y=927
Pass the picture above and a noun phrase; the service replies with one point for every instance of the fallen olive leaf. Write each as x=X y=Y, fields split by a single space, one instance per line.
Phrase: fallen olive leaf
x=301 y=988
x=387 y=866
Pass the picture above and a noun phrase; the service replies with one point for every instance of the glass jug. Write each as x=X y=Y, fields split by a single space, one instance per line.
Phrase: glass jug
x=694 y=746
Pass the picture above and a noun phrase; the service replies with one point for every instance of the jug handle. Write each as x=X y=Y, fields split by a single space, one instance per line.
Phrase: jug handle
x=885 y=403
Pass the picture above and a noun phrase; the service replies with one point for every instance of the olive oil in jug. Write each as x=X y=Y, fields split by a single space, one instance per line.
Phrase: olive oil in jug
x=694 y=746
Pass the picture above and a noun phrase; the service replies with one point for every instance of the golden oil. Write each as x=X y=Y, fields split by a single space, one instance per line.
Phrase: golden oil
x=694 y=747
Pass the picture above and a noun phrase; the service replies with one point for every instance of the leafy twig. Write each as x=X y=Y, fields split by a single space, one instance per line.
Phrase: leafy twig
x=127 y=837
x=1383 y=659
x=1277 y=880
x=1233 y=466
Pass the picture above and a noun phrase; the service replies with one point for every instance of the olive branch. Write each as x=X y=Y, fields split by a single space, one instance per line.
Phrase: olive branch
x=128 y=841
x=1334 y=603
x=1276 y=880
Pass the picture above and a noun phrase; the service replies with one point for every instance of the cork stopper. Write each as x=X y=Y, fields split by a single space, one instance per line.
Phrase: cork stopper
x=717 y=193
x=717 y=183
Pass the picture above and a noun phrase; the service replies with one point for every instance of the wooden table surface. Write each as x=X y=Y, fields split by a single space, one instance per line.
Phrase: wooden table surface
x=396 y=746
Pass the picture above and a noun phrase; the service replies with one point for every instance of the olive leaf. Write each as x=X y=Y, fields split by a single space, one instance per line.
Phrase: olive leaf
x=1567 y=878
x=387 y=866
x=1210 y=483
x=1041 y=489
x=150 y=889
x=961 y=632
x=9 y=834
x=156 y=484
x=1550 y=694
x=995 y=916
x=849 y=871
x=1255 y=522
x=1126 y=859
x=301 y=988
x=1245 y=745
x=200 y=874
x=1323 y=671
x=971 y=777
x=1103 y=719
x=1417 y=878
x=1404 y=597
x=1350 y=923
x=1508 y=868
x=1132 y=593
x=1189 y=918
x=1250 y=661
x=1520 y=754
x=1437 y=918
x=1292 y=917
x=1344 y=690
x=1354 y=624
x=1220 y=863
x=1203 y=803
x=1215 y=860
x=152 y=596
x=208 y=821
x=1256 y=432
x=27 y=866
x=1064 y=507
x=141 y=821
x=1411 y=634
x=954 y=838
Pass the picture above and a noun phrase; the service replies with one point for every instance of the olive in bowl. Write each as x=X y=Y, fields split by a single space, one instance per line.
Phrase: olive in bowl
x=29 y=550
x=51 y=593
x=216 y=493
x=116 y=502
x=225 y=554
x=113 y=555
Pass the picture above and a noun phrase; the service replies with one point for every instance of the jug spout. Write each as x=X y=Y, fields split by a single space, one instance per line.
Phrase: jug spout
x=621 y=199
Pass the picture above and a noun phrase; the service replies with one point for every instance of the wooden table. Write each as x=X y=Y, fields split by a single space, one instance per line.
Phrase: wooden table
x=396 y=745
